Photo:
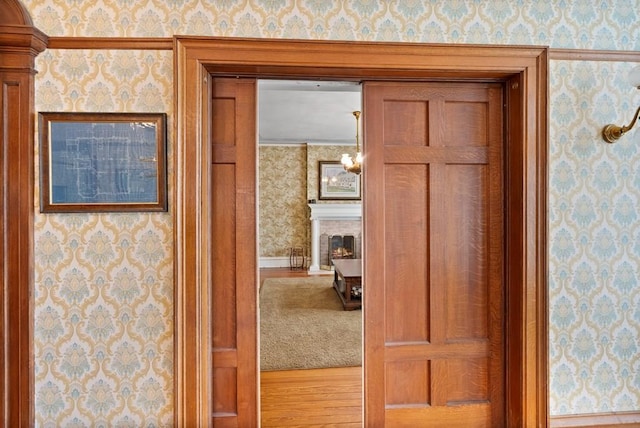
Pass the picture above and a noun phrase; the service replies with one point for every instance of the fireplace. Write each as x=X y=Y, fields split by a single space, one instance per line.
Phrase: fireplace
x=342 y=247
x=337 y=219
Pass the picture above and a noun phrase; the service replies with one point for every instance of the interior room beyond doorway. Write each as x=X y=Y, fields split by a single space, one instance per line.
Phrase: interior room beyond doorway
x=303 y=123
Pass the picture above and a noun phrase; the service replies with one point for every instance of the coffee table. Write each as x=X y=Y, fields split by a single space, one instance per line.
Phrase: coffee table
x=348 y=282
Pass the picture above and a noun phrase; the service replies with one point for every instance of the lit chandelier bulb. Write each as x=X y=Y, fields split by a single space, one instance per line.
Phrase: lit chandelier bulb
x=346 y=160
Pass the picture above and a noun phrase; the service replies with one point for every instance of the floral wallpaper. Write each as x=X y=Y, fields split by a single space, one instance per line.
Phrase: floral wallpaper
x=283 y=211
x=103 y=331
x=594 y=242
x=103 y=327
x=103 y=297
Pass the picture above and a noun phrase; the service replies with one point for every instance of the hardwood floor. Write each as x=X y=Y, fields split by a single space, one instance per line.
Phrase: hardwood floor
x=309 y=398
x=312 y=398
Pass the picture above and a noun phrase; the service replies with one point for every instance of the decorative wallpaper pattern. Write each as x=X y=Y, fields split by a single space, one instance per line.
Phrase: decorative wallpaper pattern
x=103 y=320
x=594 y=241
x=577 y=24
x=103 y=328
x=283 y=211
x=103 y=294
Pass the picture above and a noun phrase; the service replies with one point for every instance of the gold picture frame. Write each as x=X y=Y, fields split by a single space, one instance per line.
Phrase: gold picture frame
x=335 y=183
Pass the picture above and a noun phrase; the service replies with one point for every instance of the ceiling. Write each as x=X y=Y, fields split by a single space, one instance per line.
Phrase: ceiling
x=306 y=111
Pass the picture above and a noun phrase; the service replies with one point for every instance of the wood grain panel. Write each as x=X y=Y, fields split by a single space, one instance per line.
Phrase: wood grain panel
x=432 y=351
x=223 y=125
x=225 y=381
x=233 y=226
x=467 y=381
x=225 y=357
x=472 y=113
x=223 y=154
x=408 y=383
x=411 y=127
x=465 y=252
x=420 y=155
x=406 y=196
x=223 y=228
x=442 y=212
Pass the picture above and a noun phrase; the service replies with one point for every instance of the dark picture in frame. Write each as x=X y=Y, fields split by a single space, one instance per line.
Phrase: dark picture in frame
x=334 y=183
x=103 y=162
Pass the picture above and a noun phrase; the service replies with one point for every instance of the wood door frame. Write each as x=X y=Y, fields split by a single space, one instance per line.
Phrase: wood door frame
x=524 y=72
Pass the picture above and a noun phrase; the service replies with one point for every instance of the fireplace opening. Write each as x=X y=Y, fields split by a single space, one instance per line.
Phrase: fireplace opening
x=342 y=247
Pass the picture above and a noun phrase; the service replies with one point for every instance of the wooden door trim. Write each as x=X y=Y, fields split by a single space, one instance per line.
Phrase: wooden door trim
x=524 y=69
x=20 y=44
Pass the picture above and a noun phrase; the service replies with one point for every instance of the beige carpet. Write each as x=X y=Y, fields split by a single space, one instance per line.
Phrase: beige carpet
x=302 y=326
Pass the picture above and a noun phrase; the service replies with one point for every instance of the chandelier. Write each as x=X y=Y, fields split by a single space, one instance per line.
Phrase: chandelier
x=349 y=164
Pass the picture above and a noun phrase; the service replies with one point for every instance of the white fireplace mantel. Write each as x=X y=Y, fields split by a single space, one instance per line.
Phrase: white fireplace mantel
x=320 y=212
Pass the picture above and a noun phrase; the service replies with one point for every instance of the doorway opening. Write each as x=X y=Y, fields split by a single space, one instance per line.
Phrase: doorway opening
x=524 y=72
x=308 y=342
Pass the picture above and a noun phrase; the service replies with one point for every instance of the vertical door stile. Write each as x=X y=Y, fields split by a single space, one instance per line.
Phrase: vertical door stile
x=436 y=226
x=233 y=253
x=373 y=265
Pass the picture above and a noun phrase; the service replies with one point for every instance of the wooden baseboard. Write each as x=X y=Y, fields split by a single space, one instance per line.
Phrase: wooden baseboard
x=600 y=420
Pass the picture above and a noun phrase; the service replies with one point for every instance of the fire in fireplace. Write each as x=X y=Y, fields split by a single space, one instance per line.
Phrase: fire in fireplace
x=342 y=247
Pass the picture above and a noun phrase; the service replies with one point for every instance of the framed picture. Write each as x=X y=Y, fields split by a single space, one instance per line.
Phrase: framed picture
x=103 y=162
x=336 y=183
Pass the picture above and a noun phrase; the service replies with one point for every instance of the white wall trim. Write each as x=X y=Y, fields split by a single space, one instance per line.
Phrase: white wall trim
x=274 y=262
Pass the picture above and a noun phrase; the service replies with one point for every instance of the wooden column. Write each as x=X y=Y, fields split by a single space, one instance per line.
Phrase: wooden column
x=20 y=43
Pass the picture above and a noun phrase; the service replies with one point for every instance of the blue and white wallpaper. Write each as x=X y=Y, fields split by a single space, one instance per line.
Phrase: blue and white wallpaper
x=594 y=241
x=103 y=313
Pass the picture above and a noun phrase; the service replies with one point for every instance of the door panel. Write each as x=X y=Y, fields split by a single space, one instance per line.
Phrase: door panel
x=434 y=308
x=233 y=253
